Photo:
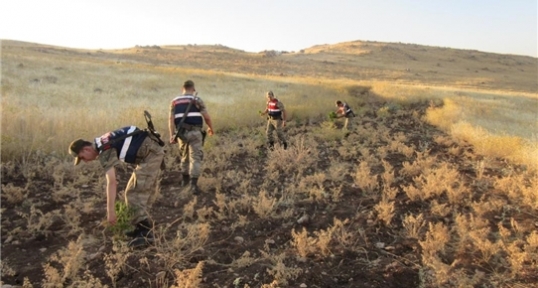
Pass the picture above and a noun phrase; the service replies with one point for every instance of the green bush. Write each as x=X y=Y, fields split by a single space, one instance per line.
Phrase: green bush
x=124 y=215
x=332 y=116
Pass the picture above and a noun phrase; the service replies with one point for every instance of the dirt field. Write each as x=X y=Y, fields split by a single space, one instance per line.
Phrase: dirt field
x=378 y=255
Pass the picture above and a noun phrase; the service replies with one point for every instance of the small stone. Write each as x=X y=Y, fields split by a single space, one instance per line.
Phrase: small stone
x=389 y=248
x=301 y=259
x=270 y=241
x=380 y=245
x=303 y=220
x=239 y=239
x=323 y=273
x=16 y=242
x=93 y=256
x=85 y=186
x=303 y=285
x=43 y=250
x=9 y=239
x=369 y=221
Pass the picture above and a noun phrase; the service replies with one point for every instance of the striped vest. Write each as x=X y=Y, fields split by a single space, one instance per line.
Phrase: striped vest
x=194 y=117
x=272 y=108
x=126 y=148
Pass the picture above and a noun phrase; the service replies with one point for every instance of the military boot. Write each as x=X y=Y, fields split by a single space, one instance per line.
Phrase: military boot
x=194 y=186
x=142 y=235
x=186 y=179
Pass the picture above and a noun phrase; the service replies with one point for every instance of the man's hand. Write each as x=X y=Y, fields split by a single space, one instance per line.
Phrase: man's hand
x=173 y=140
x=209 y=131
x=283 y=123
x=112 y=217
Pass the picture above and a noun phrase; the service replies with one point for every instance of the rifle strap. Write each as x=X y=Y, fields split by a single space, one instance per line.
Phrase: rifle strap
x=107 y=145
x=185 y=113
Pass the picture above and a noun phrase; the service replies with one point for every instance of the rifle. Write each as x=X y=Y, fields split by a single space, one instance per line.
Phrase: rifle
x=151 y=128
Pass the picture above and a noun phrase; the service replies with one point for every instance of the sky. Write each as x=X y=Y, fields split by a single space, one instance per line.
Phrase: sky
x=506 y=27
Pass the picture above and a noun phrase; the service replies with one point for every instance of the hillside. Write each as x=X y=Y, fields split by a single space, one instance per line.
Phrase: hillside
x=358 y=60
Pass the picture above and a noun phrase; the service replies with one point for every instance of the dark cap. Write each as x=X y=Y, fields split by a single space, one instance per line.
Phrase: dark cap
x=76 y=146
x=188 y=84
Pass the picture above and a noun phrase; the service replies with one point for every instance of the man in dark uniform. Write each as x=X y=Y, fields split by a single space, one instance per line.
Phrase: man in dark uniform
x=345 y=111
x=276 y=120
x=130 y=145
x=187 y=114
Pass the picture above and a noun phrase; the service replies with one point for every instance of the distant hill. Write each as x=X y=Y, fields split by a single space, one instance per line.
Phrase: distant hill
x=357 y=60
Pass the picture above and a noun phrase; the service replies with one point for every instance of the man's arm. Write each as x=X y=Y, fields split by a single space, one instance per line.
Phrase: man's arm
x=207 y=120
x=283 y=111
x=172 y=126
x=340 y=112
x=111 y=187
x=203 y=110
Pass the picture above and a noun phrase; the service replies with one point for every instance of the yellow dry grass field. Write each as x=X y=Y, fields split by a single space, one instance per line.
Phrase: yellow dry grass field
x=435 y=186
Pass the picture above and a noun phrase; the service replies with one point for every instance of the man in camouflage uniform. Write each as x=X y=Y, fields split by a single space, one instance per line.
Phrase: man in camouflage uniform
x=130 y=145
x=187 y=114
x=276 y=120
x=345 y=111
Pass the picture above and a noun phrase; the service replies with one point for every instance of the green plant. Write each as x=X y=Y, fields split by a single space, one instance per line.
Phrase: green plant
x=332 y=115
x=124 y=214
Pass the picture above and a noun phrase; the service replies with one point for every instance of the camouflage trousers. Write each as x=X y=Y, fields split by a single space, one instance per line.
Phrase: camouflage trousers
x=192 y=153
x=348 y=123
x=275 y=125
x=140 y=191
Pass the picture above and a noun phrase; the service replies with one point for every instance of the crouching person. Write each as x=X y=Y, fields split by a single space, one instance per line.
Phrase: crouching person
x=130 y=145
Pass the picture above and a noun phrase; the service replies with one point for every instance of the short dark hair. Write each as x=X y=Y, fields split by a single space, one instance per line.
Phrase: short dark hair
x=338 y=102
x=188 y=84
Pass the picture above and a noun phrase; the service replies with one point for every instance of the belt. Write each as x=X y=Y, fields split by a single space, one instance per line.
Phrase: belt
x=189 y=127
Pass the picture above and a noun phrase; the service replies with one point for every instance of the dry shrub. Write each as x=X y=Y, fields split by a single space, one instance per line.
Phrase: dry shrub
x=520 y=188
x=436 y=238
x=385 y=210
x=116 y=261
x=304 y=244
x=189 y=239
x=13 y=194
x=440 y=209
x=422 y=162
x=413 y=225
x=327 y=131
x=37 y=222
x=264 y=205
x=204 y=214
x=280 y=272
x=523 y=255
x=414 y=193
x=388 y=175
x=337 y=171
x=71 y=260
x=433 y=182
x=299 y=157
x=189 y=278
x=364 y=179
x=439 y=272
x=244 y=261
